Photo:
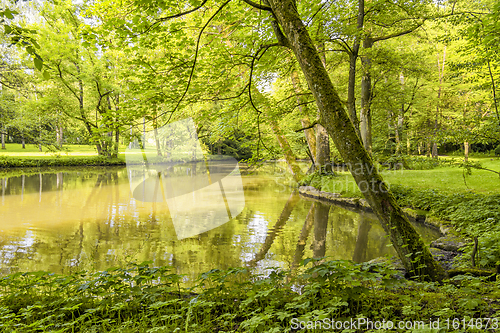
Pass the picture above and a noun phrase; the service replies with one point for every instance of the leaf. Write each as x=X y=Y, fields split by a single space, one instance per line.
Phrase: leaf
x=38 y=63
x=9 y=13
x=46 y=75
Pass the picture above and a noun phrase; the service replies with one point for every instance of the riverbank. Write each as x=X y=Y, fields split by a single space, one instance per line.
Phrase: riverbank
x=317 y=293
x=464 y=211
x=14 y=156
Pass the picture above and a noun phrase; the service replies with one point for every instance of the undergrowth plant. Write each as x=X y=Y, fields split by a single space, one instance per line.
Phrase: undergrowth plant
x=141 y=298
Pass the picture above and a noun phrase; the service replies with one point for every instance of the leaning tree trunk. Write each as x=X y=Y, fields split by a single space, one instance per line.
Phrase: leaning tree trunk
x=414 y=255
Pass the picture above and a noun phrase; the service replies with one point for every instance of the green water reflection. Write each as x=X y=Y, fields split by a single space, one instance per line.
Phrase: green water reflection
x=71 y=220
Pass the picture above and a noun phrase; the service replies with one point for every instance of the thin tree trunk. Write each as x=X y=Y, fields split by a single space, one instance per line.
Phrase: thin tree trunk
x=408 y=143
x=2 y=129
x=157 y=140
x=323 y=162
x=365 y=126
x=4 y=187
x=305 y=122
x=320 y=225
x=466 y=151
x=271 y=236
x=494 y=89
x=353 y=58
x=359 y=254
x=301 y=243
x=59 y=135
x=322 y=139
x=414 y=255
x=436 y=120
x=287 y=152
x=40 y=191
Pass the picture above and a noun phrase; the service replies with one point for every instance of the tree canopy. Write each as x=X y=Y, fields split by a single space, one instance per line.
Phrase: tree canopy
x=347 y=81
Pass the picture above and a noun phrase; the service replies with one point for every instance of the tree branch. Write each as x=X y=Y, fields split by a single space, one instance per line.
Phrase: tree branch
x=308 y=127
x=162 y=19
x=194 y=62
x=258 y=6
x=262 y=49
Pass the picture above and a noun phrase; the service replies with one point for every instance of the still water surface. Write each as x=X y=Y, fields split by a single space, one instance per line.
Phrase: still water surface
x=88 y=219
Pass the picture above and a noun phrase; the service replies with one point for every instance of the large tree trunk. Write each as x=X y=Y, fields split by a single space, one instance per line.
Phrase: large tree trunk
x=414 y=255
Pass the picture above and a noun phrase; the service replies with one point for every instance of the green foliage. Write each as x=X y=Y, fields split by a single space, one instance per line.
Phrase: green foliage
x=396 y=162
x=13 y=162
x=472 y=214
x=488 y=253
x=318 y=180
x=497 y=151
x=152 y=299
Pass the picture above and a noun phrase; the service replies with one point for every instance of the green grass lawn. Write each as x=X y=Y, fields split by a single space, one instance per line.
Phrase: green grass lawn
x=445 y=179
x=14 y=156
x=31 y=151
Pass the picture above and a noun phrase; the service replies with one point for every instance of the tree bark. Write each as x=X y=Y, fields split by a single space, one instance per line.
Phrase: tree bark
x=436 y=120
x=466 y=151
x=320 y=227
x=414 y=255
x=305 y=122
x=353 y=58
x=322 y=150
x=2 y=129
x=287 y=151
x=365 y=125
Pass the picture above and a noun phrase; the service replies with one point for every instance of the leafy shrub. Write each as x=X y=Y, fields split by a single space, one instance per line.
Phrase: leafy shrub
x=488 y=254
x=475 y=215
x=497 y=151
x=396 y=162
x=141 y=298
x=317 y=180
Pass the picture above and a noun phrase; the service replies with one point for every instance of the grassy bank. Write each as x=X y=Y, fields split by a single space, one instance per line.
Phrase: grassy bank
x=72 y=155
x=446 y=179
x=470 y=202
x=141 y=298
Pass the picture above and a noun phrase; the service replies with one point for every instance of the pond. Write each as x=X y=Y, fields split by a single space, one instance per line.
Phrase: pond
x=88 y=219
